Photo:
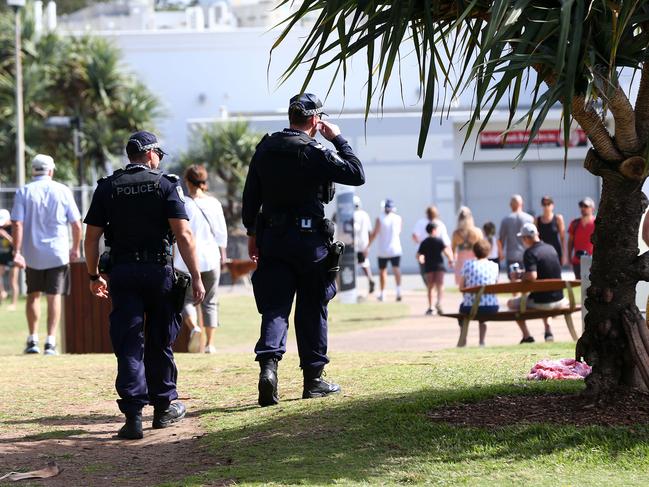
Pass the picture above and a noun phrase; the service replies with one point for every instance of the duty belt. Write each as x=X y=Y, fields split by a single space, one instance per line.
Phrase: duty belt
x=303 y=223
x=142 y=256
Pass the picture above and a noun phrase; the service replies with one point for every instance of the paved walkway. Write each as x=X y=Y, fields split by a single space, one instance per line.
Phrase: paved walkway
x=418 y=332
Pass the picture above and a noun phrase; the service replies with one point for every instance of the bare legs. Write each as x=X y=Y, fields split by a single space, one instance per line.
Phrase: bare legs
x=33 y=312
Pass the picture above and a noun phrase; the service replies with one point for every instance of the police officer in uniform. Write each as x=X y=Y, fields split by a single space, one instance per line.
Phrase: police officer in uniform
x=291 y=175
x=140 y=211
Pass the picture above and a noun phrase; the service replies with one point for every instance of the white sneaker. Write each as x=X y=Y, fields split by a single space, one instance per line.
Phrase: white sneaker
x=380 y=297
x=50 y=349
x=210 y=349
x=194 y=344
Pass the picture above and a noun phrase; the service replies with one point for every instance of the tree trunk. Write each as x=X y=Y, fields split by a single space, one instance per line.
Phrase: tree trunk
x=612 y=341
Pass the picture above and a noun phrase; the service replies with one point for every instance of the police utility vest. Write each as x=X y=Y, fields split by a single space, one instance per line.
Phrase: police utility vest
x=137 y=220
x=289 y=185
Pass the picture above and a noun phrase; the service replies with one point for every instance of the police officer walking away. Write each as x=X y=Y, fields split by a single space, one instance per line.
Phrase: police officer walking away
x=140 y=210
x=291 y=175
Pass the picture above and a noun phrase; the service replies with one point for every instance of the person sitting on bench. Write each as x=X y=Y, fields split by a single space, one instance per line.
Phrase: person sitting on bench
x=541 y=262
x=479 y=272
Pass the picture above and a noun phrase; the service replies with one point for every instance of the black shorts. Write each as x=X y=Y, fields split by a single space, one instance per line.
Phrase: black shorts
x=395 y=261
x=6 y=259
x=49 y=281
x=360 y=257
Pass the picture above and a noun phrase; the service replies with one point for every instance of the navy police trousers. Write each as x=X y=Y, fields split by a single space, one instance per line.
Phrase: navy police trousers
x=275 y=283
x=143 y=328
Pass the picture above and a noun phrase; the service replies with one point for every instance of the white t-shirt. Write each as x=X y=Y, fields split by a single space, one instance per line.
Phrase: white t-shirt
x=388 y=240
x=208 y=240
x=419 y=230
x=493 y=253
x=362 y=229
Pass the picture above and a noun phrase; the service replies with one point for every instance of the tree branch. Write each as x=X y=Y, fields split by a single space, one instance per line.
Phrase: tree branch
x=626 y=137
x=642 y=106
x=592 y=124
x=598 y=167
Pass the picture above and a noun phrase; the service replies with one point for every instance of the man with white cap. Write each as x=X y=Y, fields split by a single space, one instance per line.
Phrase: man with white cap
x=42 y=211
x=540 y=261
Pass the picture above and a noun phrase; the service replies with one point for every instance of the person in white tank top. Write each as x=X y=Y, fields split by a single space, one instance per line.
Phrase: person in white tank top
x=387 y=233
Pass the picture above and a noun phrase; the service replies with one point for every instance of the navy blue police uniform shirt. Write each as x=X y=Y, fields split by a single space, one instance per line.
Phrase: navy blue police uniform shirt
x=280 y=182
x=543 y=259
x=99 y=211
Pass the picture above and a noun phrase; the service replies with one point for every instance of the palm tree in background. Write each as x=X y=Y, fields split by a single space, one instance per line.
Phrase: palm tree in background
x=226 y=150
x=76 y=77
x=570 y=53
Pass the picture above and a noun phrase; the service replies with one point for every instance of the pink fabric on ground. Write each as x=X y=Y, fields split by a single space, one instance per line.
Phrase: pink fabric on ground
x=562 y=369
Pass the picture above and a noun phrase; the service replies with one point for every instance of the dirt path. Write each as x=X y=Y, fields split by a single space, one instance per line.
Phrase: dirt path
x=420 y=333
x=91 y=455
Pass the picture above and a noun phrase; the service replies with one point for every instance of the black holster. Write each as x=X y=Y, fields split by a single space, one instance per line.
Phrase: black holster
x=181 y=282
x=333 y=258
x=105 y=263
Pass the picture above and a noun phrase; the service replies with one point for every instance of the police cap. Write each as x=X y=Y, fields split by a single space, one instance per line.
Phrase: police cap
x=307 y=104
x=142 y=141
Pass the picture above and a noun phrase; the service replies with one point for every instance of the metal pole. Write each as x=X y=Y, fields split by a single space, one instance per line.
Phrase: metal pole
x=20 y=125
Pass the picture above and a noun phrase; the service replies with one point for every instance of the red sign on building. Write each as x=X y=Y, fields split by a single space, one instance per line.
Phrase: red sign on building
x=516 y=139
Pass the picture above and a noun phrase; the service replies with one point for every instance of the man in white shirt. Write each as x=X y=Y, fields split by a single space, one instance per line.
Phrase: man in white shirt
x=362 y=232
x=419 y=233
x=42 y=211
x=387 y=231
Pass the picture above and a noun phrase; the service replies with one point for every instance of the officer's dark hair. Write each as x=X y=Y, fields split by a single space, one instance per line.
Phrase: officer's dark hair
x=196 y=175
x=430 y=227
x=296 y=117
x=137 y=157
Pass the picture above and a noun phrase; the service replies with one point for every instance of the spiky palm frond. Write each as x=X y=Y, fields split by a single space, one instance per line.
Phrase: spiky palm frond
x=561 y=48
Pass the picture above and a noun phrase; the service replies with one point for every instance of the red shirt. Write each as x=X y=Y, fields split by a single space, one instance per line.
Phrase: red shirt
x=581 y=234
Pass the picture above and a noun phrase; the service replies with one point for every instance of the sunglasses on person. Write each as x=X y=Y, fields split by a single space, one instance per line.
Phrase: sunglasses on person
x=159 y=152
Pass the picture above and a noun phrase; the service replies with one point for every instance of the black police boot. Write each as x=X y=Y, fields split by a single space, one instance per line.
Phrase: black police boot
x=316 y=386
x=268 y=382
x=162 y=418
x=132 y=429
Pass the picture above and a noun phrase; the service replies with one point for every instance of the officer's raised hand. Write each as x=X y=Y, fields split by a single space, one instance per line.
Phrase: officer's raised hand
x=328 y=130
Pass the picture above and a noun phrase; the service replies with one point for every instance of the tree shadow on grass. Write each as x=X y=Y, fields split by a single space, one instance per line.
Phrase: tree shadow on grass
x=382 y=438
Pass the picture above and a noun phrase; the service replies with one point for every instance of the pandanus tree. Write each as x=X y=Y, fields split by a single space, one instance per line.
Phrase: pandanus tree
x=567 y=53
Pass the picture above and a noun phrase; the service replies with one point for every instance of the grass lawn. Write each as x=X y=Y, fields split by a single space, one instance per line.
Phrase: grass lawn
x=375 y=433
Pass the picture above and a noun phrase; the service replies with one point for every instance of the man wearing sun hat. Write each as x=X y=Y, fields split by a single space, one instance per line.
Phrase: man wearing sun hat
x=141 y=212
x=41 y=214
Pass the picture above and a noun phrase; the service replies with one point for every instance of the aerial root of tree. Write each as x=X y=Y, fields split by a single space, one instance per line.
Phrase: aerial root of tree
x=632 y=324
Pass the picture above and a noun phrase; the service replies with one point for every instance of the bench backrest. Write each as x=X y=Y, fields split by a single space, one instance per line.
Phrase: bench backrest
x=523 y=287
x=540 y=285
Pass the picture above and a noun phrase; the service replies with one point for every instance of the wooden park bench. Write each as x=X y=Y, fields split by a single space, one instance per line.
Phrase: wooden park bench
x=523 y=313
